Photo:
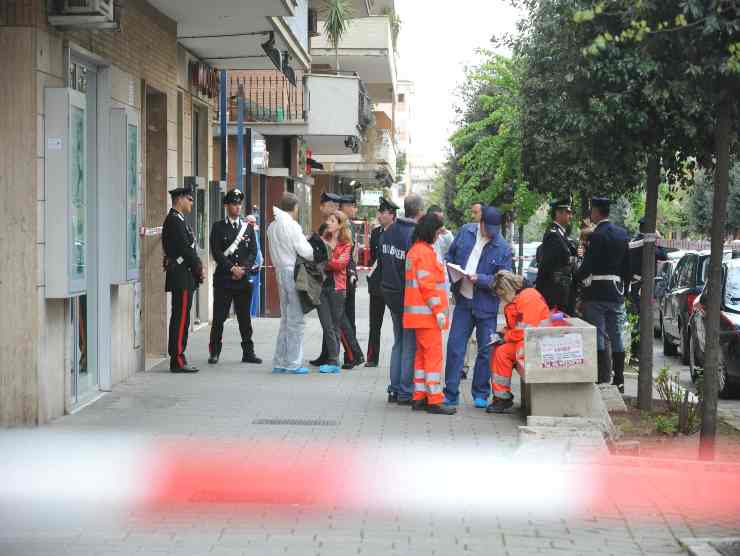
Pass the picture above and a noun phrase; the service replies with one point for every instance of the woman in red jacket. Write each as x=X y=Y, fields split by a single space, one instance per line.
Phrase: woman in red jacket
x=425 y=310
x=338 y=238
x=525 y=307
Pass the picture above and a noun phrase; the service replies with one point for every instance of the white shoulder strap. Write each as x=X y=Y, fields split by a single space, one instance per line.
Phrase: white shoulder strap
x=239 y=237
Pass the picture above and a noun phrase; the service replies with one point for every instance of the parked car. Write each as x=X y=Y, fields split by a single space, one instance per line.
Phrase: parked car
x=663 y=274
x=729 y=335
x=687 y=281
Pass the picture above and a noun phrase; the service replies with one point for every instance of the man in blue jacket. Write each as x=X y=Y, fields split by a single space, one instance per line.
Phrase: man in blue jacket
x=394 y=244
x=480 y=251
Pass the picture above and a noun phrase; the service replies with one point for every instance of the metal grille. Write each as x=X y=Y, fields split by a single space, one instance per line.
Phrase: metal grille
x=298 y=422
x=268 y=97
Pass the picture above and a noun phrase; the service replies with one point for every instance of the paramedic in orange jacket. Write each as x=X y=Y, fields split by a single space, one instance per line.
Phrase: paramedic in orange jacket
x=425 y=310
x=525 y=307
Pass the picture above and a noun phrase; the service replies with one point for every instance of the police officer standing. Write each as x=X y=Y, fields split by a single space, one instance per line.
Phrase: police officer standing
x=635 y=256
x=353 y=355
x=234 y=247
x=557 y=256
x=605 y=275
x=184 y=273
x=386 y=217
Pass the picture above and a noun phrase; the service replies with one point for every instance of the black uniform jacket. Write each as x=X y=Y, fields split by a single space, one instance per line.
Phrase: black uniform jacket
x=182 y=262
x=223 y=235
x=607 y=254
x=555 y=269
x=375 y=278
x=636 y=256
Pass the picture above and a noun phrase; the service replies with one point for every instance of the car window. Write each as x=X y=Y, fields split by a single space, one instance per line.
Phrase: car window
x=684 y=272
x=690 y=278
x=704 y=270
x=677 y=273
x=732 y=289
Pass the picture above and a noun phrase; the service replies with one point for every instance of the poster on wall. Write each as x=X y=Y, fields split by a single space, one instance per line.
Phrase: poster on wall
x=562 y=352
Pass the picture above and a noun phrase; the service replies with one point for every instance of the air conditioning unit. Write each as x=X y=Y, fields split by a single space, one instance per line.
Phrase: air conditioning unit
x=89 y=7
x=313 y=23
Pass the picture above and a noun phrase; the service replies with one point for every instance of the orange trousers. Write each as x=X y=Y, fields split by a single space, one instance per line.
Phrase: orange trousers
x=503 y=361
x=428 y=366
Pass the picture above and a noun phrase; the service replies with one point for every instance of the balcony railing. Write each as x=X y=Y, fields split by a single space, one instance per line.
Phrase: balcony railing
x=268 y=98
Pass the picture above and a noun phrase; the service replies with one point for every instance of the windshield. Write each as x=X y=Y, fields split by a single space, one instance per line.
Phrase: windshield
x=732 y=289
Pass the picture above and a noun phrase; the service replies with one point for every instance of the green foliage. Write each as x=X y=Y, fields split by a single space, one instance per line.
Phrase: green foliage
x=669 y=389
x=666 y=424
x=488 y=147
x=701 y=196
x=401 y=163
x=337 y=19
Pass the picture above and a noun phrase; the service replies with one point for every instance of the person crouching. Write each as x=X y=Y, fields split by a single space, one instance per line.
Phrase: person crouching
x=525 y=307
x=425 y=309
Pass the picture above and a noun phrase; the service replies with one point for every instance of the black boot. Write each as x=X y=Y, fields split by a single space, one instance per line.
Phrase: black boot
x=618 y=366
x=215 y=353
x=248 y=355
x=604 y=367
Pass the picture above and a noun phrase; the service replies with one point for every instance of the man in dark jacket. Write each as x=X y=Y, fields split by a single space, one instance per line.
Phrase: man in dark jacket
x=394 y=244
x=556 y=260
x=353 y=355
x=605 y=274
x=234 y=247
x=635 y=257
x=386 y=217
x=184 y=273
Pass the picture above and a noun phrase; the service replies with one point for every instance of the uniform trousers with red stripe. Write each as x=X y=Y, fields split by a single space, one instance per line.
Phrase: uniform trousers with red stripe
x=428 y=366
x=182 y=302
x=503 y=361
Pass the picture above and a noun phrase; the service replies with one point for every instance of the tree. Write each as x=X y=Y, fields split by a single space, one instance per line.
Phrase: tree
x=338 y=15
x=701 y=199
x=699 y=39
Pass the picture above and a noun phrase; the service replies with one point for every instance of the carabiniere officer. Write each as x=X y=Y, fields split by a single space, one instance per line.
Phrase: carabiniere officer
x=557 y=257
x=234 y=247
x=184 y=274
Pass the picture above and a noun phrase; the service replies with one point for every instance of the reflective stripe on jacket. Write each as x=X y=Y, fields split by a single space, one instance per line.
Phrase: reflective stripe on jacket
x=528 y=309
x=425 y=294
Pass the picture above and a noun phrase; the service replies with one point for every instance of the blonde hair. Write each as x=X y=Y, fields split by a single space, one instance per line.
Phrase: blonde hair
x=344 y=233
x=508 y=282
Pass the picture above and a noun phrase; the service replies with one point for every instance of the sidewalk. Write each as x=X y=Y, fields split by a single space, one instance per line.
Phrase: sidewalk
x=447 y=476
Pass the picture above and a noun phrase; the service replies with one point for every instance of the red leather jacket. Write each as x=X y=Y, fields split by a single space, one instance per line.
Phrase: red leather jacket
x=338 y=263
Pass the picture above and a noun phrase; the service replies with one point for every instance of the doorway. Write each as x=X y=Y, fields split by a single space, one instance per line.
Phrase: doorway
x=155 y=306
x=84 y=379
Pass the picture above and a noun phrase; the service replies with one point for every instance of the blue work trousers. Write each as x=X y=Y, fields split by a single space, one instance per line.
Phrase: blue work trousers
x=402 y=358
x=463 y=322
x=609 y=319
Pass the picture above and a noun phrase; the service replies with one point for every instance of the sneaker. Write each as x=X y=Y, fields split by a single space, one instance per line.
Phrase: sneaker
x=298 y=371
x=449 y=403
x=500 y=405
x=441 y=409
x=329 y=369
x=277 y=370
x=480 y=403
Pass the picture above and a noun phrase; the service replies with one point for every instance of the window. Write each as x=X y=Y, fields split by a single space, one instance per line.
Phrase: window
x=402 y=97
x=732 y=289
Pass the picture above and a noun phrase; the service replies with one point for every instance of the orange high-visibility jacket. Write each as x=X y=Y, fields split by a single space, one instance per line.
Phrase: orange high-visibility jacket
x=529 y=308
x=426 y=293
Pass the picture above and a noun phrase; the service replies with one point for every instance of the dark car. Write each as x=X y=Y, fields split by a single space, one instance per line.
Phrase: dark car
x=729 y=335
x=663 y=274
x=685 y=286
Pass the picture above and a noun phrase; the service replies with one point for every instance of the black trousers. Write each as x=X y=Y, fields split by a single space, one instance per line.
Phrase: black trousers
x=349 y=305
x=222 y=300
x=347 y=330
x=182 y=302
x=377 y=311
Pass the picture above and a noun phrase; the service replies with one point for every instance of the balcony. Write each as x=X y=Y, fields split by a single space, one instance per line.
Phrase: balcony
x=268 y=98
x=366 y=49
x=385 y=151
x=338 y=107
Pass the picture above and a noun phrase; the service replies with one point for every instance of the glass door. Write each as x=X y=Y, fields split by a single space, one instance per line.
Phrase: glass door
x=84 y=380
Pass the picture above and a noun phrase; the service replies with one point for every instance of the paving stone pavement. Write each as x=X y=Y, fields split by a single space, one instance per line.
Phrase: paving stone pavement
x=221 y=403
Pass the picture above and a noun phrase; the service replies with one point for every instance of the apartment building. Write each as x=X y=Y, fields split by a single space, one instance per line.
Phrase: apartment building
x=104 y=107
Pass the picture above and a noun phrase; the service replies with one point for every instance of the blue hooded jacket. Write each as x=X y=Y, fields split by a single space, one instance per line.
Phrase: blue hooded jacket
x=496 y=255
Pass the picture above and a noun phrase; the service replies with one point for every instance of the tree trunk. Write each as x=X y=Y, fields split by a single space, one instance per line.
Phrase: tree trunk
x=521 y=249
x=336 y=54
x=645 y=378
x=714 y=280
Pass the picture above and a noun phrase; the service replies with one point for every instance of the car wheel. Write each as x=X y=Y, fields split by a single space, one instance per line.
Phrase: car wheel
x=669 y=348
x=694 y=369
x=685 y=335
